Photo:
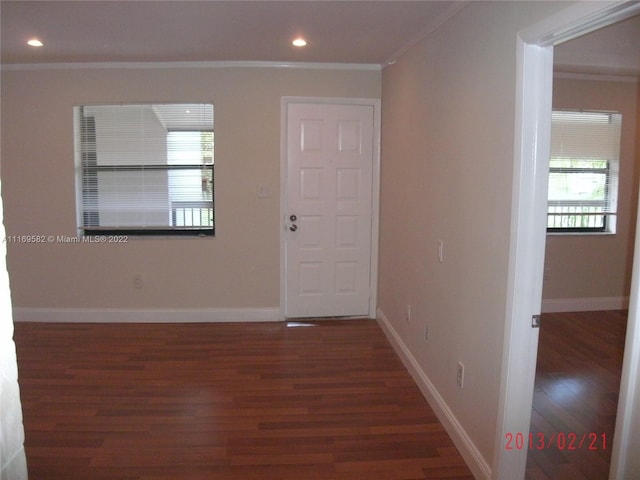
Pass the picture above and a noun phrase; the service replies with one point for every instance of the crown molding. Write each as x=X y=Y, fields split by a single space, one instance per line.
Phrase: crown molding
x=182 y=65
x=596 y=77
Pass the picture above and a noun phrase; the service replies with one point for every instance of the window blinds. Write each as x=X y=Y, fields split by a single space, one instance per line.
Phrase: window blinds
x=584 y=161
x=145 y=168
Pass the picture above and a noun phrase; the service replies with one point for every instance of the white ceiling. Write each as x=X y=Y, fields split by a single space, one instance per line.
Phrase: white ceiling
x=611 y=50
x=343 y=31
x=368 y=32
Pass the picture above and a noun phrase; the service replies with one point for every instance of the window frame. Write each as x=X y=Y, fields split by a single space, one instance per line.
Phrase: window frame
x=83 y=158
x=611 y=172
x=568 y=203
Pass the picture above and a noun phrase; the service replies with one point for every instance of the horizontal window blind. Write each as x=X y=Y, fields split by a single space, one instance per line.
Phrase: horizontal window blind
x=584 y=165
x=146 y=168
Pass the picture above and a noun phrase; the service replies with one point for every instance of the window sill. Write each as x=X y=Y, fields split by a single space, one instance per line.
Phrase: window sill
x=126 y=237
x=580 y=234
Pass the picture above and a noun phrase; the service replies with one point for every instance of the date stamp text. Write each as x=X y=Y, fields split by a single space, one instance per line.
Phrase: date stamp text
x=556 y=440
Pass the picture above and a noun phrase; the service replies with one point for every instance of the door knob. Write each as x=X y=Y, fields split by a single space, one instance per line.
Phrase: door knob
x=293 y=218
x=293 y=227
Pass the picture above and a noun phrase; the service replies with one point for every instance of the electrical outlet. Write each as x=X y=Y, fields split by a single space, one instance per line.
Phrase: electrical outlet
x=407 y=316
x=460 y=377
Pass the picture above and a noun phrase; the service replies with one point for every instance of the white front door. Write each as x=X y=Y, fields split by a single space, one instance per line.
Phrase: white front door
x=328 y=209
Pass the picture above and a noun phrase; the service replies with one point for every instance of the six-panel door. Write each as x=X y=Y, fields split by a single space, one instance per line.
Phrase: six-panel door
x=328 y=209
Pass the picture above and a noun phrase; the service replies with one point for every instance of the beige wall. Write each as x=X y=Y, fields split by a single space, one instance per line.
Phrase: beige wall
x=447 y=174
x=239 y=268
x=447 y=157
x=598 y=266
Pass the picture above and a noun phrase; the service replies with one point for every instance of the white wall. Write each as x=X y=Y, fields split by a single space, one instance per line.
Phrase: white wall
x=13 y=464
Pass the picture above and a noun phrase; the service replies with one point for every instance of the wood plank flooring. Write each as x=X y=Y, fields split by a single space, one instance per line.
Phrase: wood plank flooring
x=325 y=401
x=576 y=395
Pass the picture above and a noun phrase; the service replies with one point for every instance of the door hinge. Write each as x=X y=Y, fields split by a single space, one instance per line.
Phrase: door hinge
x=535 y=321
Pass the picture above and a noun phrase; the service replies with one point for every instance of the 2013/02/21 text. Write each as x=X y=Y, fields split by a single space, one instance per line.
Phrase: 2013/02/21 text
x=560 y=441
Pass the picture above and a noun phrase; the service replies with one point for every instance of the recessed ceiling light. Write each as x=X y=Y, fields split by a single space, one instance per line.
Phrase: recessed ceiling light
x=34 y=42
x=299 y=42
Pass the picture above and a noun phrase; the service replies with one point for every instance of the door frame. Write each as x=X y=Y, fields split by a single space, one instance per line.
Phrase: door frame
x=534 y=80
x=375 y=103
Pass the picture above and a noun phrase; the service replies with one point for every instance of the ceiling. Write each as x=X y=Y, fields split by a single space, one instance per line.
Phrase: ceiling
x=344 y=31
x=359 y=32
x=611 y=50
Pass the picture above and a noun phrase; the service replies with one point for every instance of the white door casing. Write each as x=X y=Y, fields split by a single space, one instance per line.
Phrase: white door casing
x=534 y=90
x=328 y=208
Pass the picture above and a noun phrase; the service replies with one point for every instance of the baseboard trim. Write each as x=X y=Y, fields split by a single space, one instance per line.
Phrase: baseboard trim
x=107 y=315
x=584 y=304
x=470 y=453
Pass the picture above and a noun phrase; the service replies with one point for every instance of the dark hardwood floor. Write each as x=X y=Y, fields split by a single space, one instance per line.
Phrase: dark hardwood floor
x=225 y=401
x=576 y=395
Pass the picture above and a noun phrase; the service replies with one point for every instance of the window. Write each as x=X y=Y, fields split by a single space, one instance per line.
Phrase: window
x=583 y=171
x=145 y=169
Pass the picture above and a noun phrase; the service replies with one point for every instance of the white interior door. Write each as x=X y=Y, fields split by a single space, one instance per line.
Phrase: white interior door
x=328 y=209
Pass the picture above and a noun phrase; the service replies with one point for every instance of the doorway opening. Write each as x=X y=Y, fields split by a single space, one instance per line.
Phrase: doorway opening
x=533 y=115
x=587 y=272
